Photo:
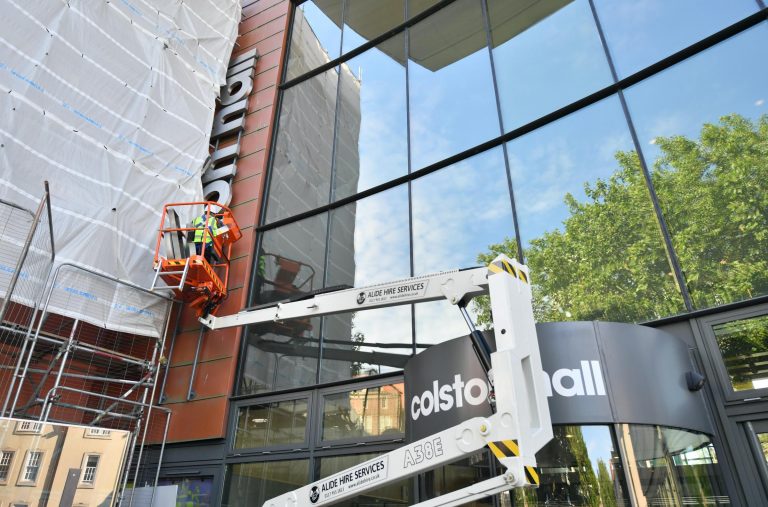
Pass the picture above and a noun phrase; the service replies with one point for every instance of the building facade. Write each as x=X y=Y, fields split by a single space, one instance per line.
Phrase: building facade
x=617 y=147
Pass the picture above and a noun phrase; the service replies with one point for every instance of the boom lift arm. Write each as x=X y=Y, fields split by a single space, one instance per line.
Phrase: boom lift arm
x=521 y=424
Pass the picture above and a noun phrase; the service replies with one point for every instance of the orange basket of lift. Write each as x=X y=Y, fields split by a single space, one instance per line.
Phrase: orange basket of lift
x=192 y=258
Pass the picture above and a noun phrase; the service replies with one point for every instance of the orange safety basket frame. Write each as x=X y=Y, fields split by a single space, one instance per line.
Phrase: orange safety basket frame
x=194 y=279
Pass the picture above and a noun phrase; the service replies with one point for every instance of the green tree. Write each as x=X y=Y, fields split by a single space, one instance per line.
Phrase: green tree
x=607 y=260
x=604 y=481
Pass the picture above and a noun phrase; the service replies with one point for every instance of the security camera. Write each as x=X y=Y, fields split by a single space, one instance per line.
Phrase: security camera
x=695 y=380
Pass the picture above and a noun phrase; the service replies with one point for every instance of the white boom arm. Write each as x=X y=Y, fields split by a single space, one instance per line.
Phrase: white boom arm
x=521 y=424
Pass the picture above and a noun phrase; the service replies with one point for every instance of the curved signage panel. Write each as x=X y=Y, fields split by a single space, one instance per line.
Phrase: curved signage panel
x=597 y=373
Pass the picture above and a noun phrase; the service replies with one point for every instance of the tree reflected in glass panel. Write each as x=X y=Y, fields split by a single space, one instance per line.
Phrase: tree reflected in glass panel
x=254 y=483
x=301 y=169
x=366 y=343
x=546 y=55
x=641 y=33
x=372 y=135
x=580 y=466
x=399 y=493
x=365 y=20
x=588 y=227
x=703 y=126
x=668 y=466
x=363 y=413
x=279 y=423
x=315 y=36
x=452 y=106
x=744 y=346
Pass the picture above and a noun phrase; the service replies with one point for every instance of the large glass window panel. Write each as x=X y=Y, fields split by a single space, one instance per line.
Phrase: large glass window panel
x=452 y=104
x=744 y=346
x=280 y=355
x=439 y=321
x=315 y=37
x=301 y=169
x=703 y=126
x=459 y=211
x=457 y=475
x=369 y=241
x=587 y=224
x=363 y=413
x=366 y=343
x=371 y=134
x=672 y=467
x=546 y=55
x=642 y=33
x=365 y=20
x=291 y=260
x=279 y=423
x=254 y=483
x=579 y=466
x=398 y=493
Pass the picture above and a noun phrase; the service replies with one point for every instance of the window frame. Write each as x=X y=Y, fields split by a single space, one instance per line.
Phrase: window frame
x=11 y=453
x=267 y=400
x=27 y=427
x=716 y=356
x=353 y=441
x=82 y=483
x=23 y=472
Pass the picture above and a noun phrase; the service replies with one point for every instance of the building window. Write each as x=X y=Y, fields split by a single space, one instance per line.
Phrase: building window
x=31 y=467
x=97 y=433
x=270 y=424
x=28 y=427
x=372 y=412
x=6 y=457
x=89 y=469
x=744 y=346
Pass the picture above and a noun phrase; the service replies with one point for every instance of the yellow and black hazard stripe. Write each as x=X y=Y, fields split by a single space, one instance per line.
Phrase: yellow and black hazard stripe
x=510 y=449
x=176 y=263
x=502 y=265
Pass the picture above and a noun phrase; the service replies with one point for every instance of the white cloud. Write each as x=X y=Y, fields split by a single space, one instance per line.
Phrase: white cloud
x=759 y=102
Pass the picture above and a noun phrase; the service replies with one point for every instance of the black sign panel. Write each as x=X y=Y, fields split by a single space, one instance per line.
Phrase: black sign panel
x=596 y=372
x=444 y=385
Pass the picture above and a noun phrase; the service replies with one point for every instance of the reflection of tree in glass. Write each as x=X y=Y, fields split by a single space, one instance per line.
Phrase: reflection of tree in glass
x=607 y=262
x=604 y=481
x=742 y=343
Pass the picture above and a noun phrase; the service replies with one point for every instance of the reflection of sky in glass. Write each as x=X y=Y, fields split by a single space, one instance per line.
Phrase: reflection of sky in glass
x=599 y=445
x=381 y=240
x=383 y=143
x=641 y=33
x=452 y=108
x=556 y=61
x=326 y=30
x=725 y=79
x=559 y=158
x=460 y=210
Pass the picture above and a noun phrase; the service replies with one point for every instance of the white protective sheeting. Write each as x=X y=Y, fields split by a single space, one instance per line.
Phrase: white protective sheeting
x=112 y=102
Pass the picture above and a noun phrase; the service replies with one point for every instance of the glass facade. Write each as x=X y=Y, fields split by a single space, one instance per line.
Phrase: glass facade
x=490 y=127
x=616 y=147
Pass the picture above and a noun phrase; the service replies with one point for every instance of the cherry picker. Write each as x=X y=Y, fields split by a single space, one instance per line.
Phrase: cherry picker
x=520 y=424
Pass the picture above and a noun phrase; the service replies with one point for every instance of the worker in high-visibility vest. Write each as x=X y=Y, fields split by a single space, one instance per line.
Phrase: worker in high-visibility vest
x=199 y=223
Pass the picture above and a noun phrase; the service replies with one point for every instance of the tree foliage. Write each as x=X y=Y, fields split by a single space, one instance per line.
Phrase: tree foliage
x=607 y=261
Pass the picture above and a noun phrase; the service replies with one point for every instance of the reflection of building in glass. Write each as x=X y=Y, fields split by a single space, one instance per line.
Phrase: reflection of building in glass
x=617 y=146
x=47 y=464
x=289 y=352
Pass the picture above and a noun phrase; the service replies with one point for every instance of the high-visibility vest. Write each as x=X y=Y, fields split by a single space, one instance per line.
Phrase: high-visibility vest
x=198 y=222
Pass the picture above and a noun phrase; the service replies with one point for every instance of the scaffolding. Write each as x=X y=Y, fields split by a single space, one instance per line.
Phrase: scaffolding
x=58 y=366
